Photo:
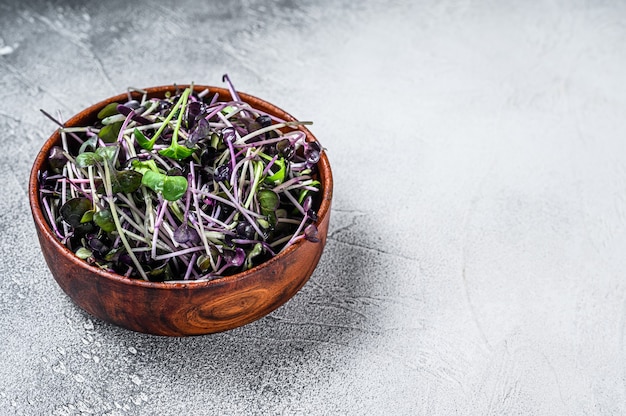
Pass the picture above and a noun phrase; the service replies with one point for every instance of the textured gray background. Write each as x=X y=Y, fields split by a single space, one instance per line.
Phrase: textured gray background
x=476 y=257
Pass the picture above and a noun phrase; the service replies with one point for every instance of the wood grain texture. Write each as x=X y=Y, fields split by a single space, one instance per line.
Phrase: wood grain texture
x=181 y=309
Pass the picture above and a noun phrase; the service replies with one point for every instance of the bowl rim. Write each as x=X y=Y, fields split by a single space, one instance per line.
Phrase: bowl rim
x=41 y=223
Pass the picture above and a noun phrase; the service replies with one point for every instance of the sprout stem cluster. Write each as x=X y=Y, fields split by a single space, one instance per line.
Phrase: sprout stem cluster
x=183 y=188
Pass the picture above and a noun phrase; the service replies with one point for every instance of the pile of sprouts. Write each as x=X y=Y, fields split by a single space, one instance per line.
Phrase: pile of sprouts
x=186 y=187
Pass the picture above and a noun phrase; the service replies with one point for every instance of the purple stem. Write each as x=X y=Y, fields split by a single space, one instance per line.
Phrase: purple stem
x=78 y=139
x=231 y=88
x=242 y=210
x=295 y=236
x=190 y=267
x=215 y=111
x=269 y=165
x=295 y=202
x=51 y=219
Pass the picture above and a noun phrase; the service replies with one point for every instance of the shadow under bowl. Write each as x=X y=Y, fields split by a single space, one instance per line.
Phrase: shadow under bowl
x=190 y=308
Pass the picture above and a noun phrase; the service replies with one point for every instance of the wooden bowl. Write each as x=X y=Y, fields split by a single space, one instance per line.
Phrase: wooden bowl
x=180 y=309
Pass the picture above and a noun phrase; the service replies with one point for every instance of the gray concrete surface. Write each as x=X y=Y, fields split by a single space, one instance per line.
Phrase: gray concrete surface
x=476 y=259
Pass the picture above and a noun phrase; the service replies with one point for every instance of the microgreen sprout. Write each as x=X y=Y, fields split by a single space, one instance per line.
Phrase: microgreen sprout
x=183 y=188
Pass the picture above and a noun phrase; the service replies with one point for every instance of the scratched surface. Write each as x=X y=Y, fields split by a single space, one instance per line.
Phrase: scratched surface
x=476 y=256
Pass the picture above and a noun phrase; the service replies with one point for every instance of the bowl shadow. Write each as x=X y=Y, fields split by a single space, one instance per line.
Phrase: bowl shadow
x=307 y=342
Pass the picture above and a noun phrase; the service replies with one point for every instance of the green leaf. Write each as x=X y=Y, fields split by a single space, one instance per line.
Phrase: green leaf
x=87 y=216
x=73 y=210
x=126 y=181
x=272 y=219
x=174 y=187
x=109 y=133
x=107 y=153
x=91 y=142
x=203 y=262
x=153 y=180
x=111 y=255
x=263 y=223
x=268 y=200
x=83 y=253
x=144 y=166
x=177 y=152
x=256 y=250
x=86 y=159
x=104 y=220
x=108 y=110
x=142 y=140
